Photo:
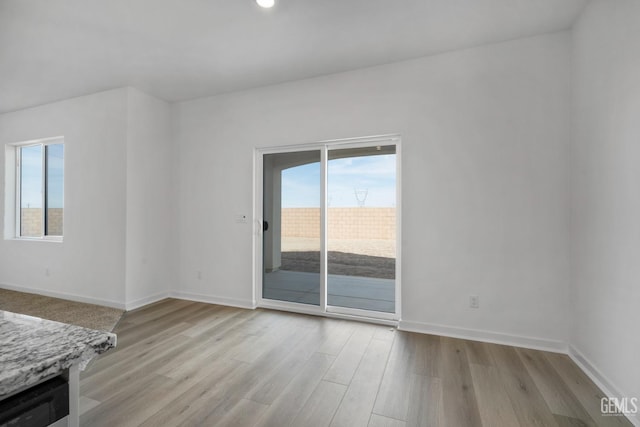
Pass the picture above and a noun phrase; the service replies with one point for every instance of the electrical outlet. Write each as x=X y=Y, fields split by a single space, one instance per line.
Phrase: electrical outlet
x=474 y=301
x=199 y=275
x=46 y=272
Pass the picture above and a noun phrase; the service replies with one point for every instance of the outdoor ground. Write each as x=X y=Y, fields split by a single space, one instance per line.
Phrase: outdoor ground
x=363 y=258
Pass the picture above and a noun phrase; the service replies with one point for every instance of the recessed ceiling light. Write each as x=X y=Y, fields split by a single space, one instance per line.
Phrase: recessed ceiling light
x=266 y=3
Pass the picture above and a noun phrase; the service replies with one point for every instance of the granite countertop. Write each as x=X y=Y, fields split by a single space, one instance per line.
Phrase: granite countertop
x=32 y=349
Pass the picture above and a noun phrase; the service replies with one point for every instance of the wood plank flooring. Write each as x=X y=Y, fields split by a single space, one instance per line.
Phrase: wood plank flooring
x=181 y=363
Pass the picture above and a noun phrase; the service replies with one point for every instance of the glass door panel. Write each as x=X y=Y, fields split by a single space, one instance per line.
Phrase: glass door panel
x=361 y=228
x=31 y=191
x=291 y=229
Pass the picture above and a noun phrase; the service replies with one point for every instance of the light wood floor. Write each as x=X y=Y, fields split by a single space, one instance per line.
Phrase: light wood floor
x=182 y=363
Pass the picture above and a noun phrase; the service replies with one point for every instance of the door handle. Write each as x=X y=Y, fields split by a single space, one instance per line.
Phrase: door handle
x=265 y=225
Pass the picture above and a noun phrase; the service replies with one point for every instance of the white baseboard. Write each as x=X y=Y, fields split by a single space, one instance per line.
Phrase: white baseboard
x=63 y=295
x=485 y=336
x=601 y=380
x=212 y=299
x=132 y=305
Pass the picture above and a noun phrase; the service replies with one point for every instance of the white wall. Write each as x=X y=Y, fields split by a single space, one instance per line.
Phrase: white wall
x=605 y=202
x=119 y=222
x=90 y=263
x=151 y=212
x=484 y=174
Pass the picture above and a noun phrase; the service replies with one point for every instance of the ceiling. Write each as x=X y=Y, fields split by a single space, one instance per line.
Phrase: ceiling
x=184 y=49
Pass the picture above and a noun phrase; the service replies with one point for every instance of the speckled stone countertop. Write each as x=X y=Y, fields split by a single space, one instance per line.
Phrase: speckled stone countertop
x=32 y=349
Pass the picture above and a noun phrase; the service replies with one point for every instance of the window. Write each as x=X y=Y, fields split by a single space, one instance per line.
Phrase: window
x=40 y=189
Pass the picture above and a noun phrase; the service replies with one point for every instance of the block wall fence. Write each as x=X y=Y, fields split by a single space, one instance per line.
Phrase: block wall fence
x=342 y=223
x=31 y=221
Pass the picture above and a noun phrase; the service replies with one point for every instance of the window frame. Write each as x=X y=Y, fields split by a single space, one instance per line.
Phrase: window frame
x=59 y=140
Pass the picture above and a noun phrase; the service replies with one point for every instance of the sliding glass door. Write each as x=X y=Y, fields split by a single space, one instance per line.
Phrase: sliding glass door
x=328 y=228
x=361 y=228
x=291 y=227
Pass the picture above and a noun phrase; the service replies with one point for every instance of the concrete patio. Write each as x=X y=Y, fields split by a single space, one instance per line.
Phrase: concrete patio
x=363 y=293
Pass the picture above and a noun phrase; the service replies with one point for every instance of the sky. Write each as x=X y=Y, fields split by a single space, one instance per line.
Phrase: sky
x=372 y=177
x=31 y=176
